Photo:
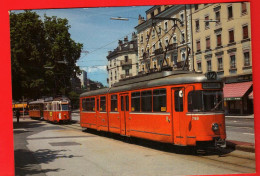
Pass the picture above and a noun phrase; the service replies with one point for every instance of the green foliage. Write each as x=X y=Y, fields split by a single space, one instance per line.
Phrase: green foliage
x=43 y=55
x=74 y=98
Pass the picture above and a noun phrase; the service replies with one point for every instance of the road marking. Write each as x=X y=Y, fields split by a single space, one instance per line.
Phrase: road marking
x=241 y=127
x=249 y=134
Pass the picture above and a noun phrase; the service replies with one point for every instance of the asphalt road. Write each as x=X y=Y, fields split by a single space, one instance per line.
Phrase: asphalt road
x=240 y=129
x=43 y=148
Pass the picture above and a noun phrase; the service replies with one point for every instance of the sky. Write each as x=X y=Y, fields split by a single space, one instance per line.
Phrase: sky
x=98 y=33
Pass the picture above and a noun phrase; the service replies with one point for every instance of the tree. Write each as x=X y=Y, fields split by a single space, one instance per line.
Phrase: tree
x=43 y=55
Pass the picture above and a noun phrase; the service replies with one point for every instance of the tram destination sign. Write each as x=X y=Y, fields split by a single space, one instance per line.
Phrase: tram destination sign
x=211 y=85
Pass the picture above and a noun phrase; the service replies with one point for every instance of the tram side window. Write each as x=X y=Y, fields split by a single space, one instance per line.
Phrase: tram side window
x=127 y=103
x=84 y=105
x=98 y=104
x=114 y=103
x=122 y=103
x=103 y=104
x=135 y=102
x=178 y=101
x=92 y=103
x=159 y=100
x=146 y=101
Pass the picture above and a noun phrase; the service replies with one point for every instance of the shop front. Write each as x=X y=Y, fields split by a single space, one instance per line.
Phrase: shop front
x=238 y=99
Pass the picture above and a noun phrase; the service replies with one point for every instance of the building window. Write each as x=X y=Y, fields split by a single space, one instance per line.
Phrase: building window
x=246 y=59
x=243 y=8
x=197 y=23
x=245 y=32
x=198 y=45
x=160 y=44
x=127 y=72
x=175 y=59
x=182 y=17
x=231 y=36
x=207 y=22
x=199 y=66
x=142 y=38
x=159 y=30
x=183 y=56
x=219 y=42
x=207 y=43
x=174 y=39
x=153 y=48
x=153 y=33
x=217 y=13
x=196 y=6
x=230 y=12
x=209 y=65
x=166 y=27
x=182 y=37
x=166 y=41
x=126 y=58
x=232 y=62
x=220 y=64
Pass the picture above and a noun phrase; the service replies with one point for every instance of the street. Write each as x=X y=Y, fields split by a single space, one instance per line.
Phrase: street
x=240 y=129
x=43 y=148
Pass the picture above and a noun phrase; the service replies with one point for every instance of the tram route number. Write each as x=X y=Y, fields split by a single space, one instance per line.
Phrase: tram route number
x=195 y=118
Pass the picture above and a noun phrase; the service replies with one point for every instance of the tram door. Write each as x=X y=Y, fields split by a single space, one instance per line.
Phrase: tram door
x=179 y=121
x=124 y=114
x=98 y=116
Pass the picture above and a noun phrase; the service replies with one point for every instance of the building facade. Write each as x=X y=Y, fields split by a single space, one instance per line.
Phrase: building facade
x=163 y=41
x=222 y=43
x=123 y=61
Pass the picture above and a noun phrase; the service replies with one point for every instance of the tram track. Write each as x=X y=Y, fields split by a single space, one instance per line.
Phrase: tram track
x=241 y=162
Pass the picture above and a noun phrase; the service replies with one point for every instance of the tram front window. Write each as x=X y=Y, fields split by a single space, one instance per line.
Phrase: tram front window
x=205 y=101
x=65 y=107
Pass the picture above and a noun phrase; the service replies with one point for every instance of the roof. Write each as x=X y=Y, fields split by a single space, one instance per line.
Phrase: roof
x=235 y=91
x=153 y=80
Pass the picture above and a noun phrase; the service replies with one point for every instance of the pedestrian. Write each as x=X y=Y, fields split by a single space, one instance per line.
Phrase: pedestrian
x=17 y=114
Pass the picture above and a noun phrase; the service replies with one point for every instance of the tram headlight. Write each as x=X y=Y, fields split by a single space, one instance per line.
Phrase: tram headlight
x=215 y=126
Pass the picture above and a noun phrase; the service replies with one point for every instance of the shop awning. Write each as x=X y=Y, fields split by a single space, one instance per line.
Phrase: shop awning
x=236 y=91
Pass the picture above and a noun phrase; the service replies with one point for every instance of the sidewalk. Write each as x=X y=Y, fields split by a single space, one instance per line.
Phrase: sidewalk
x=243 y=146
x=240 y=116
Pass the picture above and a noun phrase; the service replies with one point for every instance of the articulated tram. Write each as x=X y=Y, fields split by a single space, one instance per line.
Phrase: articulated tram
x=177 y=107
x=53 y=110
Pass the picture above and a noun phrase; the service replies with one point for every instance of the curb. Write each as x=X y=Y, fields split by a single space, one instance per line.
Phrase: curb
x=242 y=146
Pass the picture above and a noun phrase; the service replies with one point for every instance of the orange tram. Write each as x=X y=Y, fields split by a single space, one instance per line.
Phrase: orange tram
x=182 y=108
x=53 y=110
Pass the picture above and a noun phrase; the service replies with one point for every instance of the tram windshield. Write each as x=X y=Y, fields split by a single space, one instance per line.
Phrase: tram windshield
x=205 y=101
x=65 y=107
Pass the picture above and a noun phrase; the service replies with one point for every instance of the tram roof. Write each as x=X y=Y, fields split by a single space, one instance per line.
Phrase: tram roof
x=37 y=101
x=153 y=80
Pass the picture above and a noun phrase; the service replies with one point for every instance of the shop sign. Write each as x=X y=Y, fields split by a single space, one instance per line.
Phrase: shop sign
x=233 y=98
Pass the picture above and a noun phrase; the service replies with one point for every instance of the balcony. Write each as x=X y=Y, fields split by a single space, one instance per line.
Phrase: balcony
x=123 y=76
x=145 y=55
x=128 y=62
x=173 y=46
x=158 y=51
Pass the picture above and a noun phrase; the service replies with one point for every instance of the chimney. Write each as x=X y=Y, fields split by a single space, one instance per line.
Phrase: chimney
x=126 y=39
x=140 y=19
x=120 y=42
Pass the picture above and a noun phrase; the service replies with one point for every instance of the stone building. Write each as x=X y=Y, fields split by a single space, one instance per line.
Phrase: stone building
x=123 y=61
x=163 y=41
x=222 y=43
